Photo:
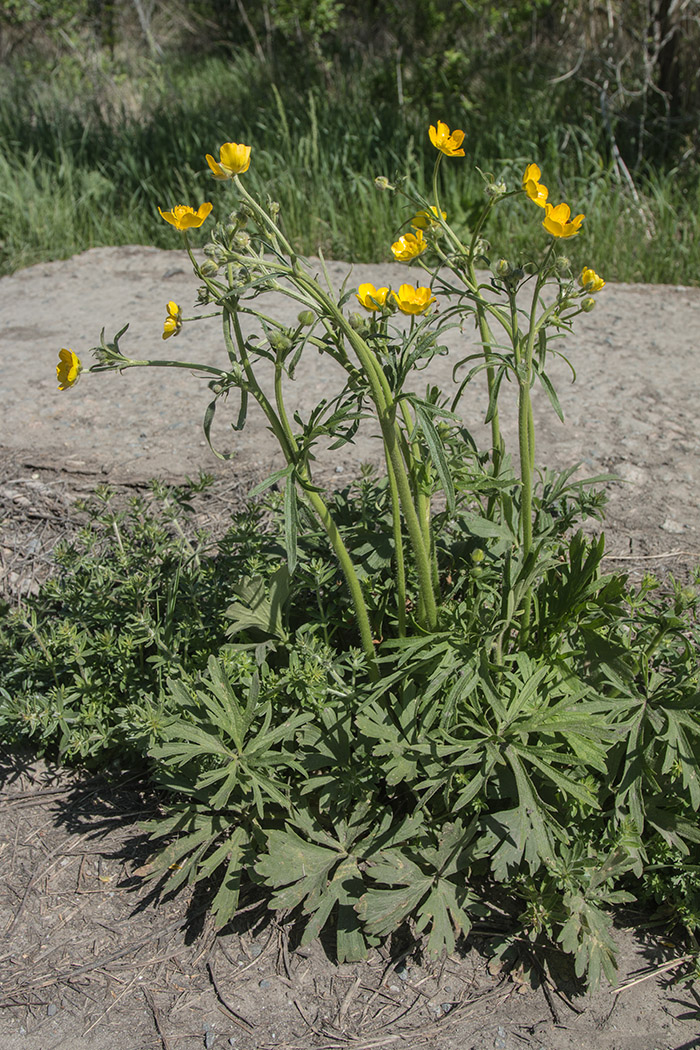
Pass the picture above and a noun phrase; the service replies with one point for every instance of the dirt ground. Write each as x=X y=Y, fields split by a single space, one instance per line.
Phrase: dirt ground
x=89 y=957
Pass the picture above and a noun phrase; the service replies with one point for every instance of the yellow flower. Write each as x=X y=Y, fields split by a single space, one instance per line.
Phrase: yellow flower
x=234 y=159
x=590 y=280
x=447 y=143
x=68 y=369
x=182 y=217
x=412 y=300
x=558 y=221
x=372 y=298
x=424 y=219
x=409 y=246
x=533 y=187
x=173 y=322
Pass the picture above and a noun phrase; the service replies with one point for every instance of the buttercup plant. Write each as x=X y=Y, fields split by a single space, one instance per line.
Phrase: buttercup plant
x=487 y=732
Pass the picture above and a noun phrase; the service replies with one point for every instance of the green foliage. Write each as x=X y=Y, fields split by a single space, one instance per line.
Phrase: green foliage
x=132 y=603
x=460 y=781
x=82 y=166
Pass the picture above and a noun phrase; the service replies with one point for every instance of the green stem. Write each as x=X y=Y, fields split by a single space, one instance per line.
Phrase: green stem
x=398 y=551
x=285 y=437
x=386 y=412
x=526 y=435
x=381 y=395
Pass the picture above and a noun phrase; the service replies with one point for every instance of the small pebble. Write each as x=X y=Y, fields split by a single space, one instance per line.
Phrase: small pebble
x=209 y=1038
x=264 y=983
x=232 y=1040
x=394 y=988
x=499 y=1042
x=51 y=1010
x=255 y=951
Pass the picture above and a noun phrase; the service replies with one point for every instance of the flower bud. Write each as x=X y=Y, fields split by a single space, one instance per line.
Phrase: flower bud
x=210 y=249
x=357 y=322
x=241 y=240
x=306 y=318
x=496 y=189
x=503 y=268
x=382 y=183
x=563 y=264
x=587 y=305
x=209 y=268
x=477 y=556
x=279 y=341
x=274 y=209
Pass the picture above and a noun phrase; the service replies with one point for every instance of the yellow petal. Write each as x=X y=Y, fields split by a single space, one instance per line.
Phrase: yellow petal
x=217 y=170
x=235 y=157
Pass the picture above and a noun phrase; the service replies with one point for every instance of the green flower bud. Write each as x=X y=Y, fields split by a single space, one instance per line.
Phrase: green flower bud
x=209 y=268
x=503 y=268
x=477 y=556
x=241 y=240
x=279 y=341
x=382 y=183
x=357 y=321
x=306 y=318
x=587 y=305
x=496 y=189
x=563 y=264
x=210 y=249
x=274 y=209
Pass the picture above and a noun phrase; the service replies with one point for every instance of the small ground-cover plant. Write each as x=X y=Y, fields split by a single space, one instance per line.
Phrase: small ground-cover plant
x=430 y=699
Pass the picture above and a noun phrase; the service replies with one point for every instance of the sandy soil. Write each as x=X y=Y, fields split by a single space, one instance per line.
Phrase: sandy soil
x=88 y=959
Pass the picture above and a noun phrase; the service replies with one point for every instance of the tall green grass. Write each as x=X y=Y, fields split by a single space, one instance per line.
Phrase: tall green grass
x=79 y=170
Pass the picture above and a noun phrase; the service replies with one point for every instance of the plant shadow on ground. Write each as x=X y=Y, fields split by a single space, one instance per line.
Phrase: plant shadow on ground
x=74 y=897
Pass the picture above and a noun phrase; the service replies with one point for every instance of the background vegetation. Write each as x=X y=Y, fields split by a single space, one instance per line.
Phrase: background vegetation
x=331 y=94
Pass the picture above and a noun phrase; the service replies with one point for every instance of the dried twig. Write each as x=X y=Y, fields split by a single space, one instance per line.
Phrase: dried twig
x=241 y=1021
x=670 y=965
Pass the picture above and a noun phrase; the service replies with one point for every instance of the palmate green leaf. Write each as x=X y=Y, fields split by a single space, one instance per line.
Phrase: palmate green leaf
x=190 y=742
x=225 y=903
x=586 y=935
x=383 y=910
x=544 y=759
x=319 y=876
x=182 y=855
x=421 y=887
x=683 y=747
x=261 y=605
x=537 y=826
x=228 y=714
x=676 y=829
